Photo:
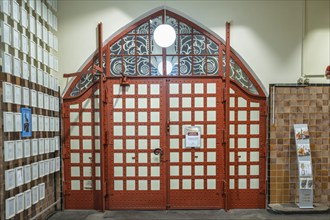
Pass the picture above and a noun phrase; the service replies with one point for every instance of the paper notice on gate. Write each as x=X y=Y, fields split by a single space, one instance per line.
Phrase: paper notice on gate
x=193 y=136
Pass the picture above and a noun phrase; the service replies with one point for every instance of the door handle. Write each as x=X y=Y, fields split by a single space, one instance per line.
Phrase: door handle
x=158 y=151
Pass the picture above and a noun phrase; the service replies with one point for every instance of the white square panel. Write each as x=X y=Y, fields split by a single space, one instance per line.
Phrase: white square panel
x=117 y=103
x=87 y=144
x=199 y=170
x=87 y=171
x=87 y=104
x=75 y=184
x=75 y=171
x=74 y=116
x=211 y=170
x=154 y=89
x=186 y=157
x=254 y=116
x=74 y=130
x=155 y=184
x=211 y=88
x=242 y=170
x=174 y=143
x=199 y=184
x=118 y=144
x=154 y=117
x=130 y=157
x=117 y=89
x=143 y=116
x=155 y=171
x=254 y=104
x=254 y=143
x=118 y=171
x=241 y=142
x=186 y=170
x=231 y=115
x=211 y=116
x=199 y=157
x=254 y=183
x=130 y=130
x=143 y=130
x=242 y=115
x=154 y=103
x=118 y=185
x=143 y=171
x=211 y=156
x=130 y=103
x=254 y=129
x=232 y=157
x=174 y=170
x=232 y=170
x=242 y=184
x=142 y=103
x=186 y=184
x=186 y=102
x=242 y=129
x=232 y=102
x=242 y=102
x=174 y=116
x=231 y=129
x=143 y=185
x=130 y=171
x=118 y=157
x=130 y=90
x=211 y=184
x=143 y=158
x=87 y=157
x=211 y=102
x=174 y=184
x=154 y=130
x=254 y=170
x=174 y=129
x=174 y=102
x=241 y=156
x=142 y=144
x=199 y=88
x=211 y=143
x=130 y=144
x=87 y=117
x=186 y=88
x=174 y=88
x=130 y=117
x=186 y=115
x=154 y=143
x=74 y=158
x=130 y=185
x=231 y=184
x=117 y=117
x=87 y=130
x=211 y=129
x=174 y=157
x=254 y=156
x=199 y=102
x=142 y=89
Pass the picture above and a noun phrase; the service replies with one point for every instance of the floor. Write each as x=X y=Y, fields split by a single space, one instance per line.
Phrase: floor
x=254 y=214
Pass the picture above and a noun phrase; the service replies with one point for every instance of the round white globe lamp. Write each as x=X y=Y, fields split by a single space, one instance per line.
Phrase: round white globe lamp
x=169 y=67
x=164 y=35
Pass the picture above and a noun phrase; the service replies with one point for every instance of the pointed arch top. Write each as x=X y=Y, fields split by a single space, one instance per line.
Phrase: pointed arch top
x=198 y=51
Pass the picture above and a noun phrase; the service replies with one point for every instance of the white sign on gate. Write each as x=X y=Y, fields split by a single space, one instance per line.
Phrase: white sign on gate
x=193 y=136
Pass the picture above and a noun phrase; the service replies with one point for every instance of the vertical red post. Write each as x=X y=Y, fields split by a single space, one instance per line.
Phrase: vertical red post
x=102 y=127
x=227 y=194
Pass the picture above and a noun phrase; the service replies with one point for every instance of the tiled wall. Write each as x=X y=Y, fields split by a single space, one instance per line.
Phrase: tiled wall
x=291 y=105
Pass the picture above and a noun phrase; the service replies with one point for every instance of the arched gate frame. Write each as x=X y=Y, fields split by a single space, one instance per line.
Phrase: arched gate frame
x=111 y=134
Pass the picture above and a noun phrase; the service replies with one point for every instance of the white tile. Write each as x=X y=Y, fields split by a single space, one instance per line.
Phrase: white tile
x=254 y=183
x=199 y=170
x=87 y=104
x=199 y=157
x=186 y=116
x=87 y=157
x=155 y=184
x=174 y=116
x=75 y=184
x=143 y=158
x=118 y=157
x=143 y=130
x=130 y=157
x=174 y=170
x=74 y=144
x=154 y=89
x=130 y=171
x=118 y=185
x=143 y=116
x=154 y=143
x=130 y=103
x=254 y=156
x=254 y=143
x=87 y=117
x=174 y=129
x=211 y=170
x=118 y=144
x=117 y=117
x=154 y=117
x=211 y=156
x=242 y=129
x=231 y=115
x=174 y=143
x=242 y=184
x=75 y=171
x=211 y=88
x=211 y=143
x=155 y=171
x=143 y=185
x=74 y=116
x=154 y=103
x=142 y=103
x=186 y=156
x=87 y=171
x=186 y=102
x=174 y=88
x=117 y=103
x=231 y=184
x=186 y=184
x=87 y=130
x=241 y=142
x=231 y=91
x=186 y=170
x=199 y=116
x=211 y=129
x=199 y=102
x=174 y=184
x=232 y=102
x=130 y=117
x=211 y=102
x=254 y=116
x=199 y=88
x=211 y=184
x=199 y=184
x=242 y=102
x=118 y=130
x=142 y=89
x=118 y=171
x=130 y=130
x=74 y=130
x=241 y=156
x=117 y=89
x=130 y=184
x=174 y=102
x=232 y=157
x=254 y=104
x=242 y=116
x=87 y=144
x=130 y=90
x=254 y=170
x=142 y=144
x=242 y=170
x=130 y=144
x=211 y=115
x=174 y=157
x=254 y=129
x=186 y=88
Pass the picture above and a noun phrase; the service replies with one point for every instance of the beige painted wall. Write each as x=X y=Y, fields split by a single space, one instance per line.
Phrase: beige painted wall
x=267 y=34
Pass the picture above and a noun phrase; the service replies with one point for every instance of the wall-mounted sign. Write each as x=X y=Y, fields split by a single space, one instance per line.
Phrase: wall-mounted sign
x=304 y=161
x=193 y=136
